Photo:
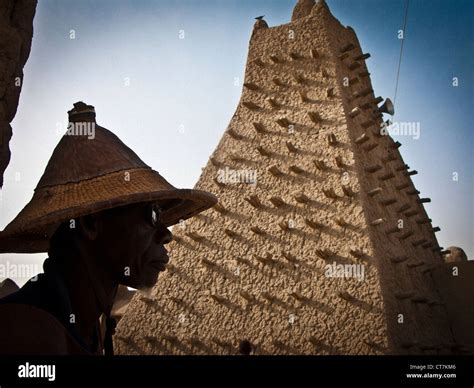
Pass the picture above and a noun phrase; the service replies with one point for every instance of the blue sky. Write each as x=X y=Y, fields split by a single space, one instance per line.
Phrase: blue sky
x=170 y=99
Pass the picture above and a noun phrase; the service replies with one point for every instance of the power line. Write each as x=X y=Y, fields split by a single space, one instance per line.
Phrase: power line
x=401 y=51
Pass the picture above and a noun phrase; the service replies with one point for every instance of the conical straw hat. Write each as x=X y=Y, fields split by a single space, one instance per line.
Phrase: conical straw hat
x=91 y=170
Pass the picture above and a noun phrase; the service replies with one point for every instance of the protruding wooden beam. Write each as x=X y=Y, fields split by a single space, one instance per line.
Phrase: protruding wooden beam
x=299 y=78
x=303 y=96
x=339 y=162
x=330 y=193
x=345 y=295
x=354 y=65
x=365 y=92
x=208 y=263
x=264 y=260
x=284 y=226
x=367 y=124
x=274 y=104
x=372 y=169
x=194 y=236
x=361 y=139
x=288 y=256
x=405 y=235
x=362 y=57
x=251 y=105
x=377 y=221
x=411 y=213
x=264 y=152
x=247 y=296
x=374 y=191
x=332 y=139
x=403 y=294
x=369 y=147
x=387 y=176
x=297 y=295
x=259 y=127
x=291 y=147
x=295 y=56
x=413 y=192
x=354 y=112
x=419 y=242
x=258 y=231
x=348 y=191
x=275 y=59
x=388 y=201
x=424 y=200
x=215 y=162
x=435 y=229
x=357 y=253
x=231 y=233
x=283 y=122
x=403 y=208
x=389 y=158
x=347 y=47
x=398 y=259
x=315 y=117
x=403 y=167
x=320 y=165
x=353 y=81
x=277 y=201
x=275 y=171
x=218 y=298
x=393 y=229
x=297 y=170
x=313 y=224
x=402 y=186
x=314 y=53
x=424 y=221
x=259 y=62
x=219 y=208
x=325 y=254
x=231 y=132
x=254 y=201
x=218 y=182
x=302 y=198
x=343 y=56
x=251 y=86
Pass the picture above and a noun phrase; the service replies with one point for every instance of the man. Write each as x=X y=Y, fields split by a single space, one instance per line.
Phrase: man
x=102 y=215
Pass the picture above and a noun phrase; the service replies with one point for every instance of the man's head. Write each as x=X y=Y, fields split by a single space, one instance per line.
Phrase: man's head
x=123 y=245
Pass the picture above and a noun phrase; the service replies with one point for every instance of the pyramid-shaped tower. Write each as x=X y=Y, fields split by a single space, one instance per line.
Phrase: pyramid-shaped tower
x=320 y=243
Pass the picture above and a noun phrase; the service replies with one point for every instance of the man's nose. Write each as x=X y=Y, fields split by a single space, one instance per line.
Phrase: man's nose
x=163 y=235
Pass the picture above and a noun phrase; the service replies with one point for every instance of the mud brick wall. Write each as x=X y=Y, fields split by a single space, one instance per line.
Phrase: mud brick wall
x=251 y=272
x=16 y=32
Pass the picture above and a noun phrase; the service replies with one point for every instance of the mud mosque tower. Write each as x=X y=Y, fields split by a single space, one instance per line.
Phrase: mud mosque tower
x=307 y=180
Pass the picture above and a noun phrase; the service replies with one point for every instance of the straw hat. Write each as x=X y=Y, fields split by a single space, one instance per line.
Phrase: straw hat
x=91 y=170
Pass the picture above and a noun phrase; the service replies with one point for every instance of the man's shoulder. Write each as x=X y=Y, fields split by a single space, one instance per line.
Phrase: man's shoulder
x=45 y=336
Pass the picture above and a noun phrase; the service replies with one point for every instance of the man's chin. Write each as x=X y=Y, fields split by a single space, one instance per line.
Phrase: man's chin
x=145 y=283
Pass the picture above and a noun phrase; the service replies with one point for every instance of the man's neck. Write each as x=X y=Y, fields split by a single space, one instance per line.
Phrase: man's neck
x=83 y=287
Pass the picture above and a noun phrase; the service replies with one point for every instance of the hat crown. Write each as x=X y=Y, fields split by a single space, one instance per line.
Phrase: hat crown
x=87 y=151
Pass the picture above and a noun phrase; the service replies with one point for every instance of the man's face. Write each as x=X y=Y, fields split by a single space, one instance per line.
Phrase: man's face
x=131 y=243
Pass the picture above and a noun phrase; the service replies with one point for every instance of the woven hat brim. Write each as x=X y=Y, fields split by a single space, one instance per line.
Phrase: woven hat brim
x=31 y=230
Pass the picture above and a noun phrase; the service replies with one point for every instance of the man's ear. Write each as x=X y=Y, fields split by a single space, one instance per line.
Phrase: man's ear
x=89 y=226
